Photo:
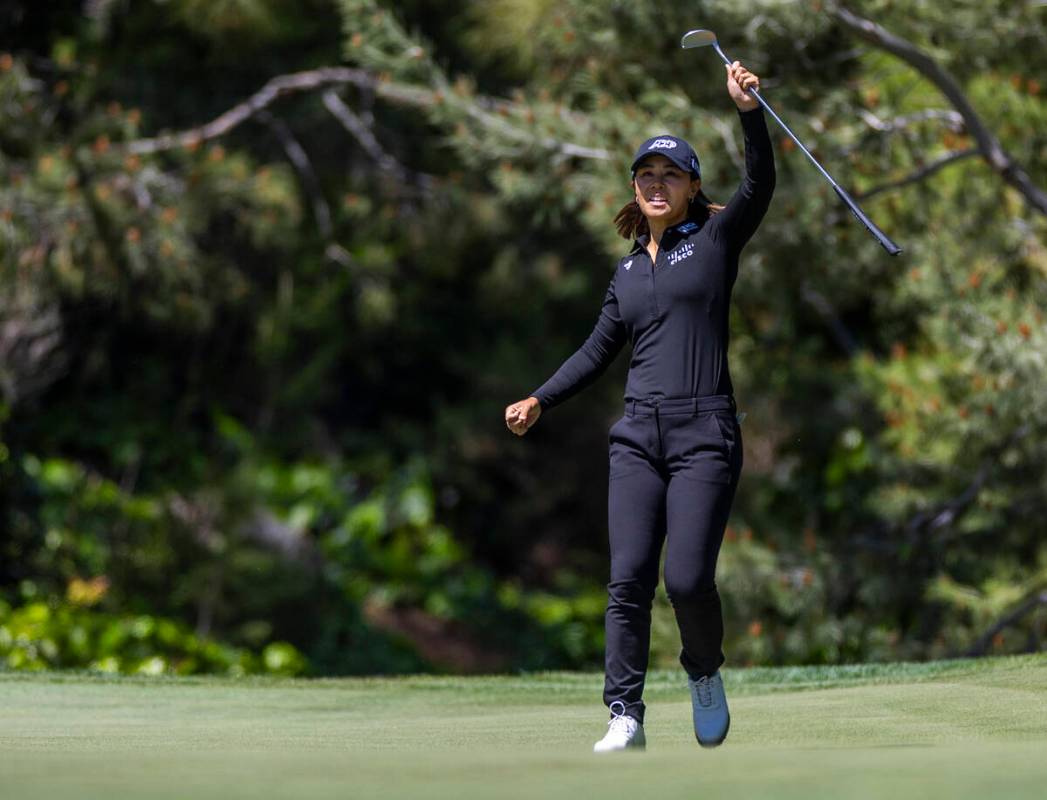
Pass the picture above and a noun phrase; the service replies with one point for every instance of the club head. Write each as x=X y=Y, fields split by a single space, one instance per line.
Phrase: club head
x=698 y=38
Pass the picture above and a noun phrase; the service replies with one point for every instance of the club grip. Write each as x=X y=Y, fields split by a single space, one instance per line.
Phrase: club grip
x=881 y=237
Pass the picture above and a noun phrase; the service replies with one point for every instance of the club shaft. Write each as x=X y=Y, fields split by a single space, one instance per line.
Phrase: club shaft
x=881 y=237
x=778 y=119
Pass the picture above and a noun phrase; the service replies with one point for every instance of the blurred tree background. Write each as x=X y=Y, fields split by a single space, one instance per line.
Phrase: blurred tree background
x=270 y=271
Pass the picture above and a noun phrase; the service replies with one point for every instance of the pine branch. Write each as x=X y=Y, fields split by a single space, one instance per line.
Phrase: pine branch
x=726 y=131
x=304 y=168
x=918 y=175
x=947 y=513
x=397 y=93
x=943 y=516
x=820 y=303
x=1027 y=605
x=365 y=137
x=988 y=145
x=953 y=119
x=274 y=89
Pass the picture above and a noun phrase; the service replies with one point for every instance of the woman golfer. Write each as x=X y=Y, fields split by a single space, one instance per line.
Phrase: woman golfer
x=676 y=453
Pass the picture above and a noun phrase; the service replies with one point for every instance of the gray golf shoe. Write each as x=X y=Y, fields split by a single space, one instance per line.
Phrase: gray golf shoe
x=709 y=703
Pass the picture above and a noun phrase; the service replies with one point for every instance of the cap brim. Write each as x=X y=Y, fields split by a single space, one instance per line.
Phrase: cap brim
x=645 y=156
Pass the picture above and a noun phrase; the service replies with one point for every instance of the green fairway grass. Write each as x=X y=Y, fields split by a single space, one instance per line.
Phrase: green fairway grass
x=956 y=729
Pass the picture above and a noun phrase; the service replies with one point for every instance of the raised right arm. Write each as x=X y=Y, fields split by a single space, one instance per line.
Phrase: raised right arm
x=591 y=359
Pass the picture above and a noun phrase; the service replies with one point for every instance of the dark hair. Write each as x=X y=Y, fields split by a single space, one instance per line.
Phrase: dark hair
x=631 y=222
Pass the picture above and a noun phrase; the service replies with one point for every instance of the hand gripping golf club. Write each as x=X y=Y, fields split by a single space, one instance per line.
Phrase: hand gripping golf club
x=701 y=38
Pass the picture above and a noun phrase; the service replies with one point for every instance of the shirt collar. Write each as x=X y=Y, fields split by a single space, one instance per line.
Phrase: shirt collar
x=670 y=238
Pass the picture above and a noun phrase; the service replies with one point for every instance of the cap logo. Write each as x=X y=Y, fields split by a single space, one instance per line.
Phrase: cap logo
x=662 y=144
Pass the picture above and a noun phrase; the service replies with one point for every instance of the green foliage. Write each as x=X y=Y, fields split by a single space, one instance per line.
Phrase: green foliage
x=39 y=636
x=245 y=423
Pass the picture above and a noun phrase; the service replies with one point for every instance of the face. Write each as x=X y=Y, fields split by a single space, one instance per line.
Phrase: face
x=663 y=190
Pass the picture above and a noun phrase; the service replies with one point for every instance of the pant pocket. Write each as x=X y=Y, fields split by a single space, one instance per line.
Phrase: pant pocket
x=727 y=425
x=619 y=460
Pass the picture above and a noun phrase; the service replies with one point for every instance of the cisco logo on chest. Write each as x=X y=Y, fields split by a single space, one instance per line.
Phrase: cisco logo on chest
x=685 y=250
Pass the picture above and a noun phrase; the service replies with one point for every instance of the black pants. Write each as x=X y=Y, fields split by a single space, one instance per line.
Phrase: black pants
x=674 y=468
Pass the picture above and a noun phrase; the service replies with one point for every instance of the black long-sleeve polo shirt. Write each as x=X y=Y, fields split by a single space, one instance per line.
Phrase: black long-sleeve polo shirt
x=675 y=311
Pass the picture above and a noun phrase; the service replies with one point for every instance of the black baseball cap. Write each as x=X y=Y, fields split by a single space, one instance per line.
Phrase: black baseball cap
x=673 y=148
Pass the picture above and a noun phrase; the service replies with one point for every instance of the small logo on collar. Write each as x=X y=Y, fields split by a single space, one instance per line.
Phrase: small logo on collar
x=688 y=227
x=628 y=263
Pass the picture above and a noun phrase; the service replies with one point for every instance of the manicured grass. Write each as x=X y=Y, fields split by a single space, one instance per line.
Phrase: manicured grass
x=957 y=729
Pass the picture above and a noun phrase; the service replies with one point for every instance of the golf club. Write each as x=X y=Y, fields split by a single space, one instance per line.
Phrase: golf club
x=702 y=38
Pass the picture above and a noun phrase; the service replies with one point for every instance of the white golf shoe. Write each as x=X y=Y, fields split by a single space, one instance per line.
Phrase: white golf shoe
x=623 y=732
x=709 y=703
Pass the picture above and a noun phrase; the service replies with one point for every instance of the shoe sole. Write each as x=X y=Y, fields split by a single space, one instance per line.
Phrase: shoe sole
x=642 y=745
x=719 y=741
x=641 y=748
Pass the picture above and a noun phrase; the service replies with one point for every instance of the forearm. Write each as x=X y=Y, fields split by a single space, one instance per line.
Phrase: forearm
x=759 y=152
x=742 y=215
x=581 y=369
x=591 y=359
